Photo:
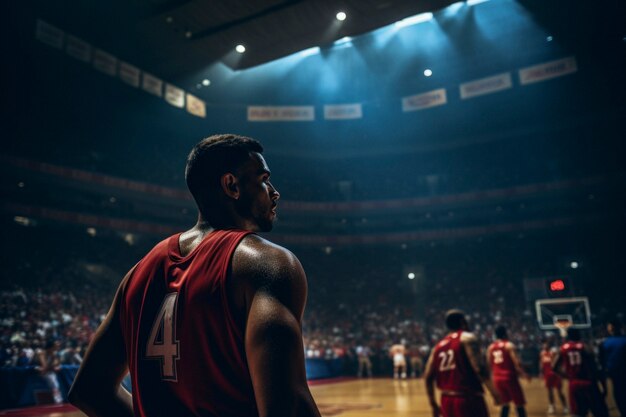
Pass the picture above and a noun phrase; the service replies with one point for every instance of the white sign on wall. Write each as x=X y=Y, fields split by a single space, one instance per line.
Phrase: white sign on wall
x=281 y=113
x=77 y=48
x=547 y=70
x=152 y=84
x=425 y=100
x=343 y=111
x=486 y=85
x=130 y=74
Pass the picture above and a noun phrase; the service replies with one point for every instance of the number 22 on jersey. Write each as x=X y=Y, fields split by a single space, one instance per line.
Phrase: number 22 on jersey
x=162 y=343
x=447 y=360
x=498 y=356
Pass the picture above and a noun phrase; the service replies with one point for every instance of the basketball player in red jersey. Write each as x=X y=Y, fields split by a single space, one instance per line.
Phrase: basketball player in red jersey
x=577 y=363
x=553 y=382
x=505 y=372
x=455 y=365
x=209 y=322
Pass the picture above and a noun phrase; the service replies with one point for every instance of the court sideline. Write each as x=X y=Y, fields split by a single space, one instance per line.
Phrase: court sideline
x=380 y=397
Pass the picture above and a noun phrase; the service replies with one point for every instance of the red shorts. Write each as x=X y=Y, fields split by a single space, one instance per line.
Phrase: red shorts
x=463 y=406
x=553 y=381
x=584 y=396
x=510 y=391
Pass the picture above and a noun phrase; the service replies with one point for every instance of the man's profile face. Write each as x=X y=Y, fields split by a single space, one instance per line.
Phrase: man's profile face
x=610 y=328
x=258 y=195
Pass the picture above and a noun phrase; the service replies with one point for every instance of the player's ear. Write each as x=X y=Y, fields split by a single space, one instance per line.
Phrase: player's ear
x=230 y=185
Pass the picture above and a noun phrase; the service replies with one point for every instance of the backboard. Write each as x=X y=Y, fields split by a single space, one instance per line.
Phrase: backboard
x=557 y=313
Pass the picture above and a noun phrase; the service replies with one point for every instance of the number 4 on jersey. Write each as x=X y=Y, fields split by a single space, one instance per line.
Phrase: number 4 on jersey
x=162 y=343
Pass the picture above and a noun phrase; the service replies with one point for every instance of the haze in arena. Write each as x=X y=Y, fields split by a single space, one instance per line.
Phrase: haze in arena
x=443 y=232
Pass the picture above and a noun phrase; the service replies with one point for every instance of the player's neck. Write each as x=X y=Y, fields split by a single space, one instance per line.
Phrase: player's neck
x=225 y=219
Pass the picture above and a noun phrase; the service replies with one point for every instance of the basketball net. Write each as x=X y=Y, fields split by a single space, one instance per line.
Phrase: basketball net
x=562 y=324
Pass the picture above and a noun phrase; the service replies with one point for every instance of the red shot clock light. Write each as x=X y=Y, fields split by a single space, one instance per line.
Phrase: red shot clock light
x=557 y=285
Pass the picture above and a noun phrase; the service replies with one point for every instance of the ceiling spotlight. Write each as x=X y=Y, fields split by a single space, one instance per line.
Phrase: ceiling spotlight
x=413 y=20
x=411 y=275
x=549 y=39
x=428 y=72
x=206 y=82
x=188 y=34
x=240 y=48
x=341 y=16
x=573 y=265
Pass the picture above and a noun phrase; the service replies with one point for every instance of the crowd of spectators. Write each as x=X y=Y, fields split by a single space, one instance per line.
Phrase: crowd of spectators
x=45 y=319
x=366 y=310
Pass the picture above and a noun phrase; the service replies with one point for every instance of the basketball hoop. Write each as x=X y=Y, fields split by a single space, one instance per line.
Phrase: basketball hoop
x=563 y=323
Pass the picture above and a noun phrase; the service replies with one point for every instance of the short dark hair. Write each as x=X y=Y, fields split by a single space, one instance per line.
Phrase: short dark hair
x=455 y=319
x=573 y=334
x=501 y=332
x=213 y=157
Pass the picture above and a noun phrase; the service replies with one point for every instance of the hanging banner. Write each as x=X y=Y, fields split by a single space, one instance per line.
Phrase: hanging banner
x=425 y=100
x=343 y=111
x=152 y=84
x=48 y=34
x=129 y=74
x=195 y=106
x=487 y=85
x=547 y=70
x=77 y=48
x=281 y=113
x=104 y=62
x=175 y=96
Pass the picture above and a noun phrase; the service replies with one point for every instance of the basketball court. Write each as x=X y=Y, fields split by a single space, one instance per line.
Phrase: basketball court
x=380 y=397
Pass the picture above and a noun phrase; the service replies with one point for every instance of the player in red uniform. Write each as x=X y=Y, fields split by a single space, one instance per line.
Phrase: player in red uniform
x=455 y=365
x=209 y=322
x=505 y=372
x=577 y=363
x=553 y=381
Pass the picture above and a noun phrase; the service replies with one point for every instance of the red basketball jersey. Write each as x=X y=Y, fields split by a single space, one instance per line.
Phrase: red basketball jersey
x=502 y=366
x=452 y=367
x=546 y=362
x=576 y=361
x=185 y=351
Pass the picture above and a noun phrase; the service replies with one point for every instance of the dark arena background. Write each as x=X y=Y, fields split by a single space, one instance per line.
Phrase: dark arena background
x=429 y=155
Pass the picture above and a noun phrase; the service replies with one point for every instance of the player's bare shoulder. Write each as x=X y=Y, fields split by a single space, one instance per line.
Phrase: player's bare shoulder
x=258 y=257
x=468 y=337
x=260 y=265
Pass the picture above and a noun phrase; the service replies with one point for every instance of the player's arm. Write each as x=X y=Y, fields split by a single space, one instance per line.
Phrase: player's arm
x=429 y=380
x=472 y=349
x=488 y=360
x=597 y=372
x=557 y=365
x=41 y=357
x=275 y=298
x=516 y=361
x=96 y=389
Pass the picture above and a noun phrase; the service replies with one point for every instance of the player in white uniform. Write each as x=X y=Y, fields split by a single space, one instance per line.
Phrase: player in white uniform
x=397 y=353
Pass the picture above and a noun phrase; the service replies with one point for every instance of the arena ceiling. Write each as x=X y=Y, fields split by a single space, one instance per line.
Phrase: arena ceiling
x=174 y=38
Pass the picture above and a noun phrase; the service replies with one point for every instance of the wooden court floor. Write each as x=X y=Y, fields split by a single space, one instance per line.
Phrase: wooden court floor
x=378 y=397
